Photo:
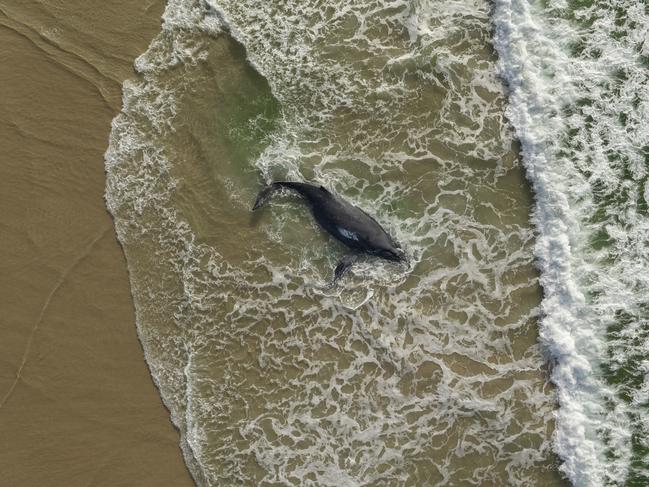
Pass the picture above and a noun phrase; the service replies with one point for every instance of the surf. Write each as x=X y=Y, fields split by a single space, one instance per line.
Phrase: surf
x=577 y=82
x=397 y=378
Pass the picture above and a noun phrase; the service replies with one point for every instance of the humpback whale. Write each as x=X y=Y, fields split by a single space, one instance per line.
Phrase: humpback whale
x=344 y=221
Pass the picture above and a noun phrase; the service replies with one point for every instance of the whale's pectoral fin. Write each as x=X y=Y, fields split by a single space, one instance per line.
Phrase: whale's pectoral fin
x=264 y=195
x=343 y=266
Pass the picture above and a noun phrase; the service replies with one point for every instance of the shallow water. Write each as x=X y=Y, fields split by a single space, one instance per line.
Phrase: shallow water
x=422 y=374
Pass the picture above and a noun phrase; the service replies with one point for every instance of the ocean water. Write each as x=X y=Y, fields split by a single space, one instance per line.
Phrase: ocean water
x=578 y=74
x=507 y=352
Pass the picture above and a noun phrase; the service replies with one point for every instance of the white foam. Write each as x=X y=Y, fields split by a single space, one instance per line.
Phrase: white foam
x=566 y=156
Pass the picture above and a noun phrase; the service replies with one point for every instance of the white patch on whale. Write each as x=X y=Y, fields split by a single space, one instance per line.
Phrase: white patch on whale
x=347 y=234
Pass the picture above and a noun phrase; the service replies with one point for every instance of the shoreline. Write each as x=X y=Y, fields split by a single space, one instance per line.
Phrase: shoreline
x=77 y=402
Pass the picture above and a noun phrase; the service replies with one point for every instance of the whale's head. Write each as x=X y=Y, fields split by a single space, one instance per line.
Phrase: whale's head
x=394 y=254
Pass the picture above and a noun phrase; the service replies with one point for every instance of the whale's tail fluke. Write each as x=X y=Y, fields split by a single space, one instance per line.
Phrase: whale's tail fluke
x=264 y=195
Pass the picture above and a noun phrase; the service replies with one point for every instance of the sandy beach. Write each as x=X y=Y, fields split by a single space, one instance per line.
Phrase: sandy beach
x=77 y=404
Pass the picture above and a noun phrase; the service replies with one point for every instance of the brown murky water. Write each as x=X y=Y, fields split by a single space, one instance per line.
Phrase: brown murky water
x=77 y=404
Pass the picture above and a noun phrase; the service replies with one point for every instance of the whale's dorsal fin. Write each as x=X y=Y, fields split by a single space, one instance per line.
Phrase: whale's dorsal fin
x=322 y=188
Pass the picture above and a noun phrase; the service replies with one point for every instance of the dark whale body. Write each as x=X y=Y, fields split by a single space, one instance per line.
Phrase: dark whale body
x=344 y=221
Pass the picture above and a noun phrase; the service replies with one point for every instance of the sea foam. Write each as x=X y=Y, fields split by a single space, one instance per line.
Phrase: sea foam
x=578 y=98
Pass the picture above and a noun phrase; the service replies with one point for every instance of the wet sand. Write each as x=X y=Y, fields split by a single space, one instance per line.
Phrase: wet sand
x=77 y=403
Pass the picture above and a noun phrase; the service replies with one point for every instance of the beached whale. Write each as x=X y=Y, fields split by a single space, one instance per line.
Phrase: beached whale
x=346 y=222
